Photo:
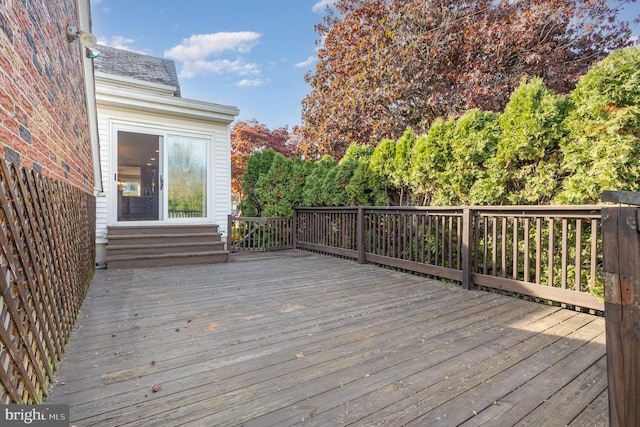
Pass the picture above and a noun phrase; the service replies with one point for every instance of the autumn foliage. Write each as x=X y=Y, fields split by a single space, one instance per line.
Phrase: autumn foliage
x=252 y=136
x=544 y=148
x=386 y=65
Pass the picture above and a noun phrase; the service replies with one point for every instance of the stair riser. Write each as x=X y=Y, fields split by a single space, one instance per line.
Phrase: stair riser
x=168 y=261
x=163 y=240
x=125 y=231
x=157 y=250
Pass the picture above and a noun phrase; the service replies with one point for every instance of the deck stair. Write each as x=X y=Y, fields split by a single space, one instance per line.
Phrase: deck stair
x=159 y=246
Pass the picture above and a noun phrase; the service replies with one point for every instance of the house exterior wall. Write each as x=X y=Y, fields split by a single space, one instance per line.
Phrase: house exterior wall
x=43 y=115
x=48 y=204
x=218 y=133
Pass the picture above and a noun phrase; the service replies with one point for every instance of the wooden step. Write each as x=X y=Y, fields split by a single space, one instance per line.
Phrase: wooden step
x=163 y=248
x=155 y=245
x=159 y=229
x=160 y=238
x=164 y=260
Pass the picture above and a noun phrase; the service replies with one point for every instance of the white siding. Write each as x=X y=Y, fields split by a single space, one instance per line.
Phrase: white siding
x=102 y=206
x=218 y=133
x=222 y=177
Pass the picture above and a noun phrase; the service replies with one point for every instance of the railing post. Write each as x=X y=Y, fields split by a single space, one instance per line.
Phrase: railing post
x=467 y=239
x=621 y=260
x=294 y=229
x=360 y=235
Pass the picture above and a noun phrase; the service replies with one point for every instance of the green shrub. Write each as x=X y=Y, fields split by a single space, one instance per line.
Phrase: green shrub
x=603 y=147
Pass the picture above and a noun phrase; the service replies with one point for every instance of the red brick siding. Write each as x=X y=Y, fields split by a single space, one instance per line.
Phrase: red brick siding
x=43 y=114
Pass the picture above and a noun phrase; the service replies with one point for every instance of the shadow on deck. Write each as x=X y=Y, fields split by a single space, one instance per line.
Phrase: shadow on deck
x=295 y=338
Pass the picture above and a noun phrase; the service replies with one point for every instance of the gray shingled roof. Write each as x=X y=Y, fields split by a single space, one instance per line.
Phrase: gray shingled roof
x=147 y=68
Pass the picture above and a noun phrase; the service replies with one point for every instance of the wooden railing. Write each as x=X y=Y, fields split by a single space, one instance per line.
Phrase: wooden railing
x=621 y=250
x=259 y=234
x=551 y=253
x=47 y=261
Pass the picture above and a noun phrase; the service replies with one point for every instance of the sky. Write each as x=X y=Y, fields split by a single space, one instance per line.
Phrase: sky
x=250 y=54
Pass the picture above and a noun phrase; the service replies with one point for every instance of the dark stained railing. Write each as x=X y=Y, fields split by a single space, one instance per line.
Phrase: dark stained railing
x=552 y=253
x=259 y=234
x=621 y=249
x=328 y=230
x=549 y=252
x=47 y=240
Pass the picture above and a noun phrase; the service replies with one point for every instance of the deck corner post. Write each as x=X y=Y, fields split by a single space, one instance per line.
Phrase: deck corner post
x=294 y=229
x=621 y=261
x=467 y=238
x=360 y=235
x=229 y=232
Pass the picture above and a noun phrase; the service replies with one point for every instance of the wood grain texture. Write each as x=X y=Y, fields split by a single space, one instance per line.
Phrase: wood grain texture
x=621 y=255
x=296 y=338
x=47 y=260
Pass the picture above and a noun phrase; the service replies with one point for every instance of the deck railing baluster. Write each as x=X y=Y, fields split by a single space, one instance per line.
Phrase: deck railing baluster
x=526 y=254
x=564 y=271
x=504 y=246
x=550 y=252
x=515 y=251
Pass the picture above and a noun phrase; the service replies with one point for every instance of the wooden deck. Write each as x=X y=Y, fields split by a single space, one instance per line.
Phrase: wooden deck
x=296 y=338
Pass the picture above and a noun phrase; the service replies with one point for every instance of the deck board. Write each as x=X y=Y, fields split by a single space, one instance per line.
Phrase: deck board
x=296 y=338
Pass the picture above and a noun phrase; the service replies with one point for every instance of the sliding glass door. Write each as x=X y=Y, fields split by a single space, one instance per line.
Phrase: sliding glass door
x=186 y=177
x=138 y=177
x=161 y=177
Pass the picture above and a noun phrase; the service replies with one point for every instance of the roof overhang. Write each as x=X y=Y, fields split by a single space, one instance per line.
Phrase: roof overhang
x=135 y=95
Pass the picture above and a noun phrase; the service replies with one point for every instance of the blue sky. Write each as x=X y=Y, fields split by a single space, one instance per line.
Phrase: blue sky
x=252 y=54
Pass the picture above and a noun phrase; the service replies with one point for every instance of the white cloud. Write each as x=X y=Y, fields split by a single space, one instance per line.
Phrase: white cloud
x=200 y=46
x=321 y=5
x=250 y=83
x=219 y=66
x=306 y=63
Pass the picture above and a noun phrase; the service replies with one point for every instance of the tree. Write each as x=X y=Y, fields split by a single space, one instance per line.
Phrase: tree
x=312 y=194
x=526 y=167
x=401 y=169
x=382 y=166
x=386 y=65
x=451 y=160
x=279 y=190
x=366 y=188
x=431 y=156
x=473 y=143
x=249 y=137
x=338 y=178
x=603 y=148
x=258 y=164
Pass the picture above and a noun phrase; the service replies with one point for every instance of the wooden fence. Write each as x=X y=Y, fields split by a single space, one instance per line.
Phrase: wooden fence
x=47 y=262
x=259 y=234
x=552 y=253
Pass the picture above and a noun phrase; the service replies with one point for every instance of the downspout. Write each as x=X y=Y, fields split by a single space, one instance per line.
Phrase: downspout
x=84 y=24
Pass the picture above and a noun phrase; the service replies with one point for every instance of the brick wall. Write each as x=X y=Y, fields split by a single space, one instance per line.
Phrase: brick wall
x=43 y=117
